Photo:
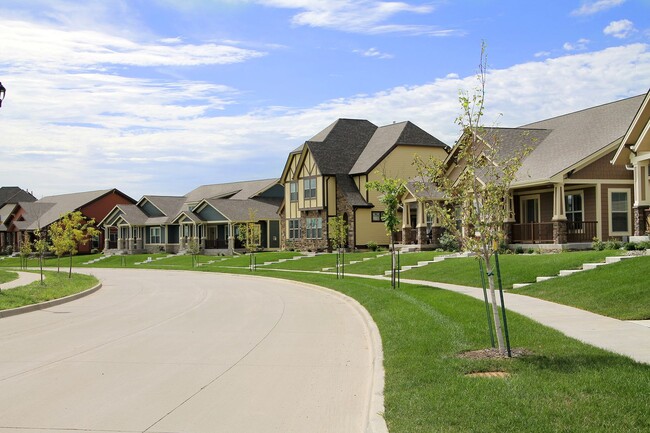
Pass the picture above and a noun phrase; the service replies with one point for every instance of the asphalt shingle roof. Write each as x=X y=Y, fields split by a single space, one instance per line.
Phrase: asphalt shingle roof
x=14 y=194
x=385 y=138
x=49 y=209
x=234 y=190
x=336 y=148
x=237 y=210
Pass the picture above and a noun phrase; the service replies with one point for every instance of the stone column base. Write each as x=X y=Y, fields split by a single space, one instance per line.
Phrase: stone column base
x=560 y=235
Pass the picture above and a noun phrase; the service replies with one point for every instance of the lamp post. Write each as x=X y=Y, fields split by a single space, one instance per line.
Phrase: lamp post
x=2 y=93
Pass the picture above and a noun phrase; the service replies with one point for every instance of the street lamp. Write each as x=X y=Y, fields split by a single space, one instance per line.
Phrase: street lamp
x=2 y=93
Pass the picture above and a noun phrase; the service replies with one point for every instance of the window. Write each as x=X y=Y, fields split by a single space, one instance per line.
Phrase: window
x=293 y=191
x=530 y=211
x=314 y=228
x=294 y=229
x=154 y=235
x=377 y=217
x=310 y=187
x=573 y=205
x=619 y=214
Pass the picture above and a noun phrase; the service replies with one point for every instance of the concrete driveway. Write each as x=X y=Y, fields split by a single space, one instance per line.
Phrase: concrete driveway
x=167 y=351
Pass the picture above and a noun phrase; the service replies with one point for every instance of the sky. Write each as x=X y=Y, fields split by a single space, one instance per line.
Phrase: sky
x=162 y=96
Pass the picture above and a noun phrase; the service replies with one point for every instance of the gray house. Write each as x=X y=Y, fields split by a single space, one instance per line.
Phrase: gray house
x=209 y=215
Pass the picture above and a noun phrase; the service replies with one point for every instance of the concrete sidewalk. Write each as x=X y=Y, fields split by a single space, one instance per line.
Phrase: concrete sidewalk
x=23 y=279
x=626 y=338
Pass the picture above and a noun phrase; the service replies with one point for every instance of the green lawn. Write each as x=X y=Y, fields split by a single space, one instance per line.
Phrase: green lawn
x=563 y=386
x=515 y=268
x=57 y=285
x=6 y=276
x=619 y=290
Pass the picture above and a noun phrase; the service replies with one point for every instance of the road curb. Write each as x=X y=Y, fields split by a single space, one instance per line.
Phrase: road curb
x=376 y=422
x=48 y=304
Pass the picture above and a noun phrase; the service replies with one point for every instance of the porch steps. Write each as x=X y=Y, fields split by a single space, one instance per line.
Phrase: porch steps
x=436 y=259
x=585 y=267
x=151 y=260
x=520 y=285
x=209 y=262
x=90 y=262
x=287 y=260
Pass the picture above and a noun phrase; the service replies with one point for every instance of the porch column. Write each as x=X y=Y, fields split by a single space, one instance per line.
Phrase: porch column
x=559 y=215
x=107 y=236
x=130 y=239
x=120 y=241
x=406 y=223
x=138 y=239
x=422 y=225
x=509 y=222
x=231 y=239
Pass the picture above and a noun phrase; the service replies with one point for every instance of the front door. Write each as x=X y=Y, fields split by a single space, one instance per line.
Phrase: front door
x=530 y=210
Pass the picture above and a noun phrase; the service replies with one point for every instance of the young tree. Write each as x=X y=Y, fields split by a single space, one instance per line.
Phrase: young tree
x=40 y=246
x=72 y=230
x=250 y=235
x=478 y=193
x=60 y=243
x=25 y=250
x=194 y=249
x=390 y=191
x=338 y=234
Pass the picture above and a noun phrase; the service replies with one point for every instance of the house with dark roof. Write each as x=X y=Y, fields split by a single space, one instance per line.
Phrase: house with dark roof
x=209 y=215
x=566 y=191
x=28 y=217
x=634 y=154
x=327 y=175
x=10 y=196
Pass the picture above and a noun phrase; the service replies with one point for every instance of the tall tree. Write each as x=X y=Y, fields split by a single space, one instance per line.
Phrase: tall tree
x=390 y=192
x=478 y=194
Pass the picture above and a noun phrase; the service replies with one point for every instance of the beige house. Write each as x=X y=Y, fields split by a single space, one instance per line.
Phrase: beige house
x=566 y=192
x=634 y=154
x=327 y=176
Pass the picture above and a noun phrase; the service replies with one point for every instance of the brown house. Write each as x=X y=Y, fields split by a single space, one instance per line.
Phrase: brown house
x=27 y=217
x=566 y=192
x=10 y=196
x=634 y=154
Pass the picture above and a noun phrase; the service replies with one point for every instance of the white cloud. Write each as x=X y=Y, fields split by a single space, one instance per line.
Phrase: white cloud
x=359 y=16
x=593 y=7
x=620 y=29
x=90 y=130
x=580 y=45
x=27 y=45
x=542 y=54
x=374 y=52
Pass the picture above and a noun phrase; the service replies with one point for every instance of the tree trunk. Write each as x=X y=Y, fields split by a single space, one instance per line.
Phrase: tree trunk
x=70 y=270
x=40 y=263
x=392 y=260
x=495 y=307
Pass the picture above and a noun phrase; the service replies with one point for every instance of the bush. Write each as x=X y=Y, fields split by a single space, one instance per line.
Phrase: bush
x=645 y=245
x=519 y=250
x=630 y=246
x=613 y=244
x=448 y=242
x=597 y=244
x=530 y=251
x=372 y=246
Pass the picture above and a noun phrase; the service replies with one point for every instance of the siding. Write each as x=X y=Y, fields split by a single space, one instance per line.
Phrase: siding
x=603 y=169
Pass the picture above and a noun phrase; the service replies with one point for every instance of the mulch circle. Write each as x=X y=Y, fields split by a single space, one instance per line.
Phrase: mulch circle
x=493 y=353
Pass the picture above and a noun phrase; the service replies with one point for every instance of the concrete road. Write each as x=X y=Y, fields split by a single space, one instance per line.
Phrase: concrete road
x=167 y=351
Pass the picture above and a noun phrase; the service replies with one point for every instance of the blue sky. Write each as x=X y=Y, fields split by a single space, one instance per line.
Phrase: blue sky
x=160 y=96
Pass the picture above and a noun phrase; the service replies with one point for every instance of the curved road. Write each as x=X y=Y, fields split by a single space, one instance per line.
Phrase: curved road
x=165 y=351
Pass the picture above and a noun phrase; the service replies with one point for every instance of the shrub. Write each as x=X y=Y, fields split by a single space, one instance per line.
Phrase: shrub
x=372 y=246
x=448 y=242
x=519 y=249
x=613 y=244
x=597 y=244
x=644 y=245
x=630 y=246
x=530 y=251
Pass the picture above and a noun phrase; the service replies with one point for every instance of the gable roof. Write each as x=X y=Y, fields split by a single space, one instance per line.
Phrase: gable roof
x=576 y=136
x=234 y=190
x=169 y=205
x=237 y=210
x=637 y=136
x=14 y=194
x=49 y=209
x=348 y=188
x=386 y=138
x=336 y=148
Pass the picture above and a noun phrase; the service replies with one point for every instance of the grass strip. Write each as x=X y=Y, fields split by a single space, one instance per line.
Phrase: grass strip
x=57 y=285
x=6 y=276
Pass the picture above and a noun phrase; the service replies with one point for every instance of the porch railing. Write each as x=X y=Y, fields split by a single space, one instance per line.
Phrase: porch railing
x=112 y=245
x=218 y=244
x=532 y=233
x=581 y=231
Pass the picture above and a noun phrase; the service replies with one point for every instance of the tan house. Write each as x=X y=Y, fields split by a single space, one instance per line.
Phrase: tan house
x=327 y=176
x=634 y=154
x=566 y=192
